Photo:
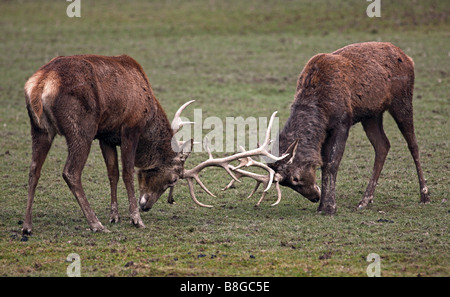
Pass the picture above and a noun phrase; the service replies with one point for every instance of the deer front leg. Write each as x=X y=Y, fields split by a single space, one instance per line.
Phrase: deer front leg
x=110 y=156
x=332 y=152
x=128 y=152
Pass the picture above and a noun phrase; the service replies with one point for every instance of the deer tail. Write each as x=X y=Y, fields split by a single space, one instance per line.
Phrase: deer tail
x=40 y=90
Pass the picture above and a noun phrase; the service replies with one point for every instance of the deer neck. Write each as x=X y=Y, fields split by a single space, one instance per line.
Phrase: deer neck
x=154 y=148
x=307 y=124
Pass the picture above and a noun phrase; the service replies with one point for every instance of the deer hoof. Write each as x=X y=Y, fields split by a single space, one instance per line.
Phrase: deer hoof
x=114 y=218
x=137 y=222
x=26 y=231
x=364 y=202
x=114 y=214
x=136 y=219
x=327 y=209
x=425 y=196
x=98 y=227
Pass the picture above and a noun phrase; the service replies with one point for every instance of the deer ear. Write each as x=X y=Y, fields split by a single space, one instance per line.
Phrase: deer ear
x=185 y=150
x=291 y=150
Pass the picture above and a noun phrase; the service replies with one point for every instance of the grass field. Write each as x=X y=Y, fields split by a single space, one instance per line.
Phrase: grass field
x=235 y=58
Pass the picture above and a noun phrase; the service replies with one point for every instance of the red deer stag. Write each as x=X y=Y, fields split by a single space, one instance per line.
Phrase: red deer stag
x=354 y=84
x=89 y=97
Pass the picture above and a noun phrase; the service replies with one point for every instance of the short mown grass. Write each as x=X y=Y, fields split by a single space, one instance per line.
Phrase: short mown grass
x=235 y=58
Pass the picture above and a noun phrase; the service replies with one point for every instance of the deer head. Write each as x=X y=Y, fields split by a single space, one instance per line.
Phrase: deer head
x=154 y=181
x=301 y=177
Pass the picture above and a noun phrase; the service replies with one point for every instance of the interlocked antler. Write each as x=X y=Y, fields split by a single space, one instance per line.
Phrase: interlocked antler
x=266 y=180
x=193 y=174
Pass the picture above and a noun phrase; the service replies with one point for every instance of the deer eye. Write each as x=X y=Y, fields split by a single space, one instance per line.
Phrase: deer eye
x=297 y=181
x=152 y=170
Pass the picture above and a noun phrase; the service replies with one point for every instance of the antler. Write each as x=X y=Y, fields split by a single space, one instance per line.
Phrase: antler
x=193 y=174
x=266 y=180
x=177 y=123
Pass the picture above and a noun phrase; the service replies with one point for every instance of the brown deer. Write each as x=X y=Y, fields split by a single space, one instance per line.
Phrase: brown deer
x=89 y=97
x=354 y=84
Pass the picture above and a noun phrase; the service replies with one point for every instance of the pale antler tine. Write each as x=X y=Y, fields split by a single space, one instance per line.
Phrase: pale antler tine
x=269 y=184
x=177 y=123
x=191 y=190
x=255 y=189
x=261 y=199
x=251 y=162
x=230 y=184
x=244 y=162
x=227 y=169
x=224 y=166
x=197 y=179
x=239 y=166
x=267 y=141
x=277 y=186
x=269 y=155
x=208 y=150
x=180 y=142
x=258 y=177
x=181 y=123
x=185 y=123
x=269 y=128
x=182 y=107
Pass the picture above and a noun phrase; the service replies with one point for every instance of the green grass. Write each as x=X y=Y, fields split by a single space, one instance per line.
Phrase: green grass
x=235 y=58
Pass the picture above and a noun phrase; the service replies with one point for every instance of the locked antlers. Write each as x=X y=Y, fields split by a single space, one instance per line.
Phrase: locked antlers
x=266 y=180
x=237 y=172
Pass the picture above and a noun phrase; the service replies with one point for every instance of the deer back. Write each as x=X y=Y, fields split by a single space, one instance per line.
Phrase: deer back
x=112 y=91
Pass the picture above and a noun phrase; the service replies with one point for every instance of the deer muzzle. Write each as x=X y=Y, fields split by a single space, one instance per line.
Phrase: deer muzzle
x=146 y=201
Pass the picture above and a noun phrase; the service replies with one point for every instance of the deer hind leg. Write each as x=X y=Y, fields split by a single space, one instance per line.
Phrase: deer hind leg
x=110 y=156
x=375 y=132
x=41 y=143
x=403 y=116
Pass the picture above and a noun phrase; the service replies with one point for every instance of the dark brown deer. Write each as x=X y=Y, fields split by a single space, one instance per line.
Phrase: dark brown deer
x=89 y=97
x=354 y=84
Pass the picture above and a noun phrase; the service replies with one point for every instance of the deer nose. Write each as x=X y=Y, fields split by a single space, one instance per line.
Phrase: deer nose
x=143 y=203
x=318 y=194
x=145 y=208
x=317 y=188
